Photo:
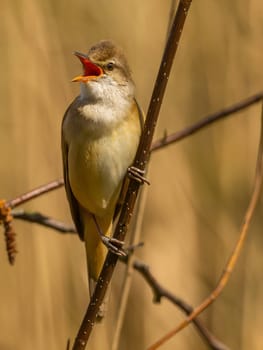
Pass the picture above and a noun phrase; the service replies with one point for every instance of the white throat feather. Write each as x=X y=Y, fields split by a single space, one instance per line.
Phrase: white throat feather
x=104 y=101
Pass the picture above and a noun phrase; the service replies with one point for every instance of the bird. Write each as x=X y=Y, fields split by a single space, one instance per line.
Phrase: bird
x=100 y=134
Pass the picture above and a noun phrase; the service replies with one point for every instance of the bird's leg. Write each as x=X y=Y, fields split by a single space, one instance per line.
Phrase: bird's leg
x=137 y=174
x=113 y=244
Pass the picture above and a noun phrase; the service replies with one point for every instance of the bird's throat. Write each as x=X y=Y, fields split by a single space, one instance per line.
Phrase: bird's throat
x=105 y=103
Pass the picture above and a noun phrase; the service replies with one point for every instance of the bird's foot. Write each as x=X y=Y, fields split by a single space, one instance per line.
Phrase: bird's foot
x=137 y=175
x=114 y=245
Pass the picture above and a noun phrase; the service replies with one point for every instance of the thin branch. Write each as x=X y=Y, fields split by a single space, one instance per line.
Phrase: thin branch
x=206 y=121
x=236 y=251
x=160 y=292
x=140 y=162
x=35 y=193
x=38 y=218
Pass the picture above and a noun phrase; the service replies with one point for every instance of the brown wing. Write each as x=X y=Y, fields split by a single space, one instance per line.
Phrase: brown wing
x=125 y=183
x=73 y=203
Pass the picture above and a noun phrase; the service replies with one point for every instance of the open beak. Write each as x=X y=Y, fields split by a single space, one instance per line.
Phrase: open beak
x=91 y=70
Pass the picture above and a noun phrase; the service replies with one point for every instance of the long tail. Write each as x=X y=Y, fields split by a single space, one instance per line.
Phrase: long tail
x=96 y=250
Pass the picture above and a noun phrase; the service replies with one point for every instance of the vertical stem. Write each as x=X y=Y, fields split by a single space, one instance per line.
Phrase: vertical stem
x=140 y=162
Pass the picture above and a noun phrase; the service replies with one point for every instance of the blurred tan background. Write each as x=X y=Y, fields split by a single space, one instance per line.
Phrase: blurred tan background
x=199 y=188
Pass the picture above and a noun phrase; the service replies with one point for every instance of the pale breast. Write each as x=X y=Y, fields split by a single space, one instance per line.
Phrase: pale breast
x=98 y=165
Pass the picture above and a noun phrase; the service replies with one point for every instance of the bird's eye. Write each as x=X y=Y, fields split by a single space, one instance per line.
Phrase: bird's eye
x=110 y=66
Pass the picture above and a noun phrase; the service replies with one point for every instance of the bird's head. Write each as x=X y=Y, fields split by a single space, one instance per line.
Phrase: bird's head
x=104 y=62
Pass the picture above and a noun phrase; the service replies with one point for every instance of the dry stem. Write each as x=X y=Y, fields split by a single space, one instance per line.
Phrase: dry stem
x=235 y=254
x=140 y=162
x=160 y=292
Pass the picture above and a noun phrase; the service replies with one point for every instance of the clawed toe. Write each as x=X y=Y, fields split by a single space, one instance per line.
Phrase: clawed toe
x=114 y=245
x=138 y=175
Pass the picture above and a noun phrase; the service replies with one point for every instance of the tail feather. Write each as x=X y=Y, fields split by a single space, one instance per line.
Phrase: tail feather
x=95 y=249
x=96 y=252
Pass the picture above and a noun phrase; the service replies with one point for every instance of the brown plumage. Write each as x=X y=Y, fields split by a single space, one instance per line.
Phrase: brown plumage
x=100 y=135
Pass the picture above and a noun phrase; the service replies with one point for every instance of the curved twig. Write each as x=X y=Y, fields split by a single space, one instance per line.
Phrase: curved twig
x=236 y=251
x=160 y=292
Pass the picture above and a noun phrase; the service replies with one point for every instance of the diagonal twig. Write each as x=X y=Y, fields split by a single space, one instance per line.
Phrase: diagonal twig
x=160 y=292
x=236 y=251
x=43 y=220
x=206 y=121
x=140 y=162
x=53 y=185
